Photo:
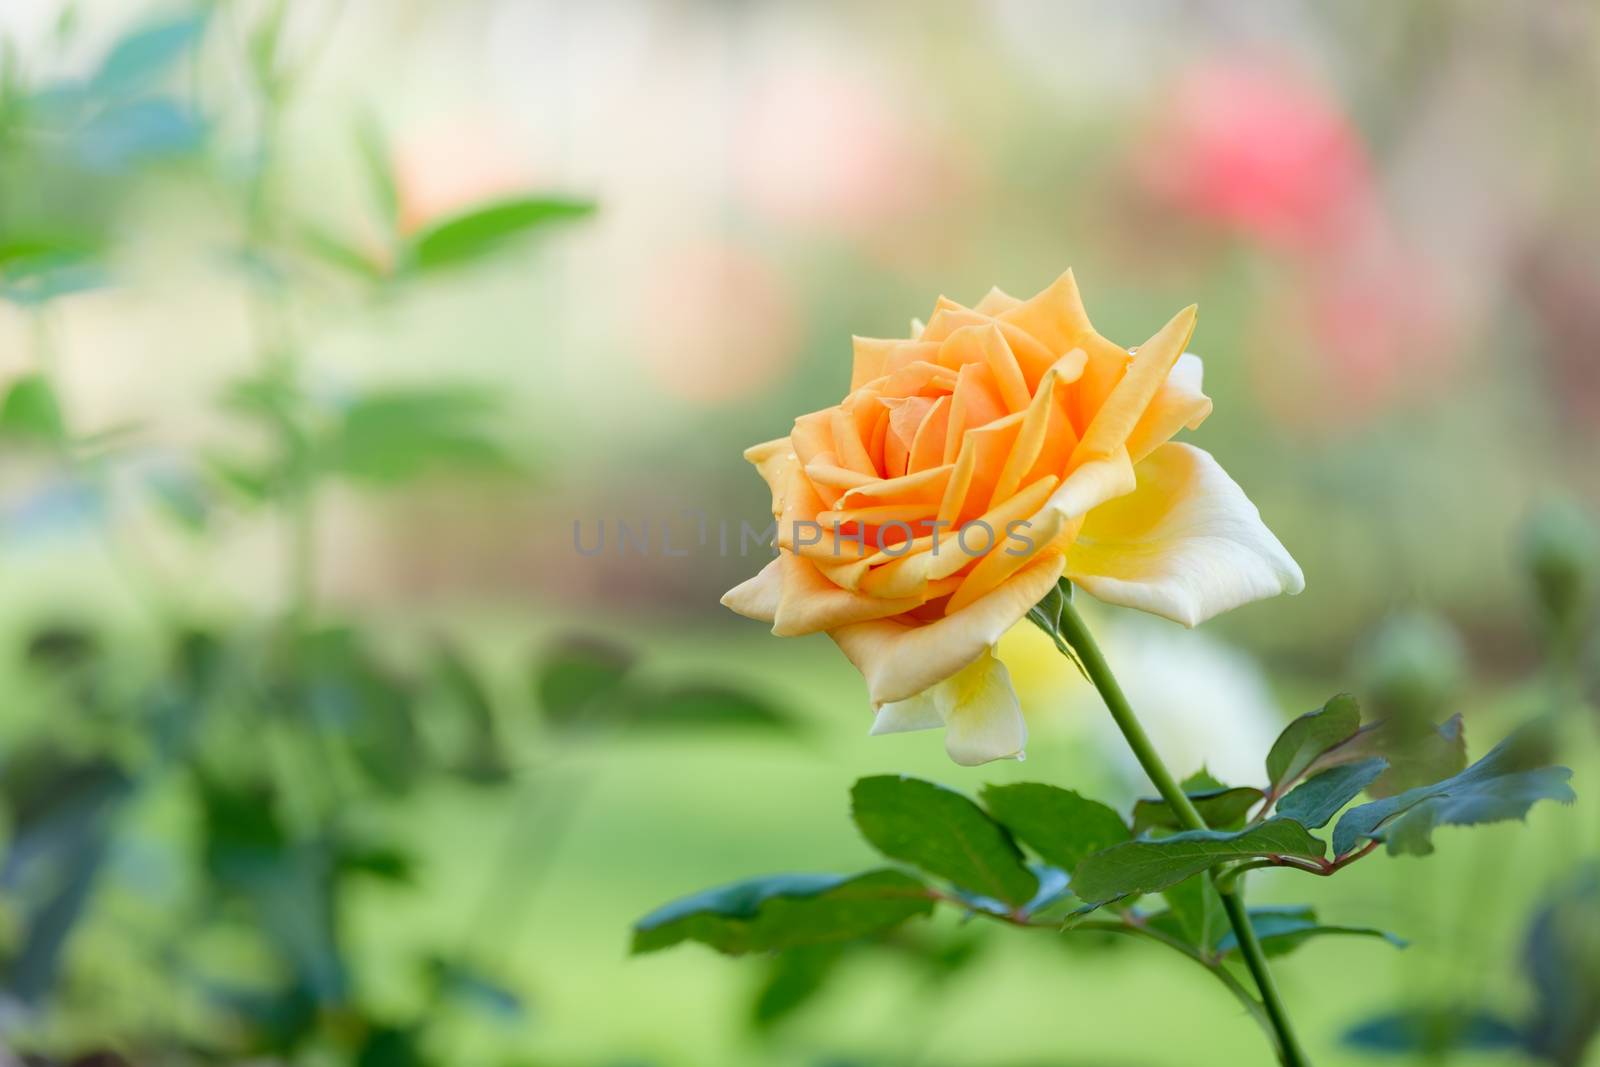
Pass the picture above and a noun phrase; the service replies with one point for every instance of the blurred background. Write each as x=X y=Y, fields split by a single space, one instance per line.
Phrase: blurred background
x=333 y=334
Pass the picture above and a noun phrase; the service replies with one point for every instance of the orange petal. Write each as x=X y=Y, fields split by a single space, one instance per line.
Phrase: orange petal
x=1117 y=417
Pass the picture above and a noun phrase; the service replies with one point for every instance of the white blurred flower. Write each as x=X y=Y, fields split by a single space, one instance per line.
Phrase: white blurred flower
x=1203 y=702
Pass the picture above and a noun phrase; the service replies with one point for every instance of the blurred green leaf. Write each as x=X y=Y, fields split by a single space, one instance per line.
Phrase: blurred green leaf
x=1418 y=753
x=391 y=1046
x=1222 y=809
x=793 y=980
x=38 y=279
x=1309 y=736
x=331 y=678
x=1502 y=785
x=394 y=435
x=182 y=495
x=31 y=411
x=685 y=704
x=62 y=647
x=945 y=834
x=1282 y=930
x=482 y=759
x=136 y=132
x=1058 y=824
x=148 y=52
x=62 y=812
x=1433 y=1031
x=377 y=163
x=1146 y=866
x=576 y=674
x=466 y=984
x=785 y=911
x=1562 y=959
x=1314 y=802
x=289 y=884
x=339 y=253
x=480 y=232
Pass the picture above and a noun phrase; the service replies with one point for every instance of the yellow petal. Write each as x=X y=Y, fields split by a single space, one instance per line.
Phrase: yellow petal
x=982 y=718
x=1178 y=404
x=1186 y=544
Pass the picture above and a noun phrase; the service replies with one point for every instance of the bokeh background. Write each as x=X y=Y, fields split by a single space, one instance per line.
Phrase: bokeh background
x=325 y=326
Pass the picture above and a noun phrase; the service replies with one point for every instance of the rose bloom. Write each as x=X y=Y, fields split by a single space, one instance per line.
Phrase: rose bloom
x=971 y=467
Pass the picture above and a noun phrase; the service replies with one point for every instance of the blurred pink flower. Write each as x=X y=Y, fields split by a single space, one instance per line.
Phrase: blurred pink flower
x=816 y=147
x=716 y=324
x=1259 y=150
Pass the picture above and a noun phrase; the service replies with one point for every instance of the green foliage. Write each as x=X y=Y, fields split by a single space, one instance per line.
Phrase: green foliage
x=1309 y=736
x=576 y=674
x=62 y=813
x=393 y=435
x=796 y=977
x=1418 y=753
x=583 y=682
x=1314 y=802
x=31 y=412
x=786 y=911
x=1282 y=930
x=480 y=232
x=1061 y=826
x=1502 y=785
x=1145 y=866
x=944 y=834
x=1561 y=958
x=1222 y=809
x=1196 y=912
x=1434 y=1032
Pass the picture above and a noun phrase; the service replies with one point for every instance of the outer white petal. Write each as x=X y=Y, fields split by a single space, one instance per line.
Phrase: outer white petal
x=920 y=712
x=1186 y=544
x=983 y=720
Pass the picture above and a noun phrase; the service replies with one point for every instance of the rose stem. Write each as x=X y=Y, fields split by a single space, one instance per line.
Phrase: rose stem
x=1094 y=663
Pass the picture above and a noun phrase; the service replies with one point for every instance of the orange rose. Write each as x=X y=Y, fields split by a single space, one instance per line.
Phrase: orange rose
x=967 y=470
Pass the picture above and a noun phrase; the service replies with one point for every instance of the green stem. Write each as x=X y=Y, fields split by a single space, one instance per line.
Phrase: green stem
x=1094 y=664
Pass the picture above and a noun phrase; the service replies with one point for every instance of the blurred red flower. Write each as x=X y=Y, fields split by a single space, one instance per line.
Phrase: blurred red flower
x=1262 y=151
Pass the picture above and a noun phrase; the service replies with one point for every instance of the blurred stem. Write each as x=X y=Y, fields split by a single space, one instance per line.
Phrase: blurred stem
x=1094 y=663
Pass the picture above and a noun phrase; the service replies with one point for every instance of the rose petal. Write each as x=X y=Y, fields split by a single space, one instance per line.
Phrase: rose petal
x=1178 y=404
x=982 y=719
x=809 y=602
x=900 y=660
x=757 y=598
x=1117 y=417
x=920 y=712
x=1186 y=544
